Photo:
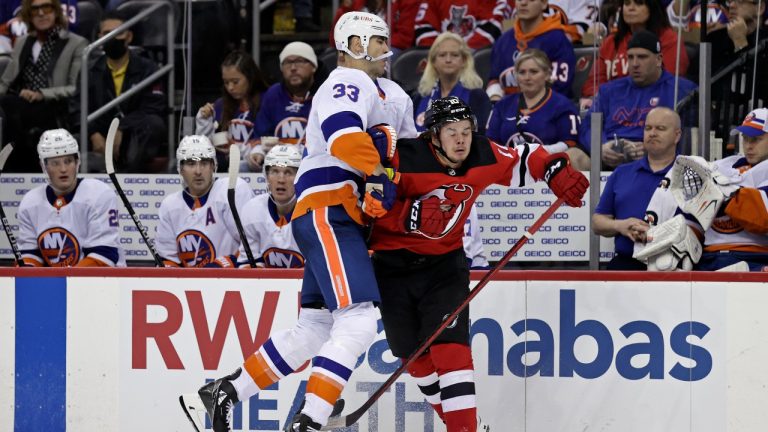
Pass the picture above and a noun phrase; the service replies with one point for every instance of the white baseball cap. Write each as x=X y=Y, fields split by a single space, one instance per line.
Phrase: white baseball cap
x=300 y=49
x=754 y=124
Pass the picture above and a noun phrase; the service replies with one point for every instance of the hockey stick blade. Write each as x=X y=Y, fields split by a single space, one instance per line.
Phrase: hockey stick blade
x=193 y=407
x=353 y=417
x=234 y=171
x=108 y=151
x=4 y=153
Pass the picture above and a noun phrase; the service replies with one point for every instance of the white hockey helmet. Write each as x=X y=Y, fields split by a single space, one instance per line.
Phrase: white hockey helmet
x=363 y=25
x=56 y=142
x=195 y=147
x=282 y=156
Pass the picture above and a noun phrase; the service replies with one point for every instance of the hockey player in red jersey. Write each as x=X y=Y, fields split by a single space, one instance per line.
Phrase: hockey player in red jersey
x=418 y=258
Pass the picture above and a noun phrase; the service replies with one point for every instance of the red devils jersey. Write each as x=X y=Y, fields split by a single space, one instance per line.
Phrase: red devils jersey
x=447 y=194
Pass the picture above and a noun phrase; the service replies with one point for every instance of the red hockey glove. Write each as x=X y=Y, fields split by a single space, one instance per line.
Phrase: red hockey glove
x=432 y=216
x=565 y=181
x=384 y=139
x=380 y=193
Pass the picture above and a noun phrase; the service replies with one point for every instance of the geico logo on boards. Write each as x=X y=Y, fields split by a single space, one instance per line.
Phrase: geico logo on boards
x=20 y=192
x=126 y=240
x=136 y=180
x=491 y=241
x=498 y=253
x=491 y=192
x=170 y=180
x=14 y=227
x=534 y=253
x=572 y=253
x=545 y=191
x=537 y=203
x=152 y=192
x=518 y=191
x=246 y=179
x=503 y=203
x=15 y=180
x=513 y=241
x=504 y=228
x=560 y=216
x=149 y=217
x=130 y=228
x=140 y=204
x=259 y=191
x=136 y=252
x=158 y=204
x=39 y=180
x=128 y=192
x=520 y=216
x=479 y=204
x=11 y=203
x=545 y=228
x=261 y=179
x=606 y=254
x=571 y=228
x=633 y=361
x=494 y=216
x=554 y=240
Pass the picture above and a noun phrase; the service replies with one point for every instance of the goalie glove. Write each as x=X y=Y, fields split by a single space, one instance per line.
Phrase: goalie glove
x=433 y=216
x=565 y=182
x=384 y=138
x=674 y=245
x=699 y=189
x=380 y=193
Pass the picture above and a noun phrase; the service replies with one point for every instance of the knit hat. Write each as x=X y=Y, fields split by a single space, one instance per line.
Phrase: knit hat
x=645 y=39
x=300 y=49
x=755 y=123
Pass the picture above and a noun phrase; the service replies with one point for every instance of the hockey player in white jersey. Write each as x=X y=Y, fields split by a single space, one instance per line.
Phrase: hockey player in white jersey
x=70 y=222
x=267 y=217
x=196 y=225
x=724 y=202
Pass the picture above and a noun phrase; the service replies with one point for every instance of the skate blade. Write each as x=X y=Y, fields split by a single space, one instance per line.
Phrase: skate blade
x=194 y=409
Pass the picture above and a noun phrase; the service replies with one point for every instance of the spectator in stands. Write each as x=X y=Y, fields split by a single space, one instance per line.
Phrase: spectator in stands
x=37 y=85
x=142 y=133
x=687 y=14
x=13 y=26
x=532 y=29
x=613 y=62
x=477 y=22
x=303 y=13
x=235 y=111
x=285 y=105
x=629 y=189
x=537 y=114
x=451 y=71
x=625 y=102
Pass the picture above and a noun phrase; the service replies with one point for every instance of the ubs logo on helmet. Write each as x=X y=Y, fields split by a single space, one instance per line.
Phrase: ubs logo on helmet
x=195 y=249
x=59 y=247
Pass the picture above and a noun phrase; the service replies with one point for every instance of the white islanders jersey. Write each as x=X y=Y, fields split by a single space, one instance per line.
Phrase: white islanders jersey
x=269 y=235
x=194 y=232
x=60 y=231
x=399 y=107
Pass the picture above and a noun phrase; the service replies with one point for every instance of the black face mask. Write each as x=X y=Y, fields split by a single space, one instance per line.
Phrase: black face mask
x=115 y=48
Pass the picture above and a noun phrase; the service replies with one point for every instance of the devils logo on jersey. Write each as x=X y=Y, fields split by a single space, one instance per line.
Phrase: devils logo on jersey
x=59 y=247
x=282 y=258
x=195 y=249
x=441 y=209
x=460 y=22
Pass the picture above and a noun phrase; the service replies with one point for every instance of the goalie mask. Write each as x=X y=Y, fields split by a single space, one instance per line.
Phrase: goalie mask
x=699 y=188
x=363 y=25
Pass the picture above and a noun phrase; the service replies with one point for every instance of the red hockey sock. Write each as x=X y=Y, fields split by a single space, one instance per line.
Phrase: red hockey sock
x=423 y=371
x=453 y=363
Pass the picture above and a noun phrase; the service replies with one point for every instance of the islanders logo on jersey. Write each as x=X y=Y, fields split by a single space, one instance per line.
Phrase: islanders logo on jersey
x=290 y=130
x=282 y=258
x=59 y=247
x=439 y=211
x=195 y=249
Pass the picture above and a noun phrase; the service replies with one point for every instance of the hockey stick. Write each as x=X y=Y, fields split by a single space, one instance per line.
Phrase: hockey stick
x=353 y=417
x=111 y=172
x=234 y=170
x=4 y=153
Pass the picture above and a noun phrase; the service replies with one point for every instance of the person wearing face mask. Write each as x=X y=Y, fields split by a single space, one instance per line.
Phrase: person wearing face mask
x=142 y=128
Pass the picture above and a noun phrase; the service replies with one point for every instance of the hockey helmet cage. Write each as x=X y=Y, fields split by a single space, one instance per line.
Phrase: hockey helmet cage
x=447 y=110
x=282 y=156
x=56 y=142
x=363 y=25
x=195 y=147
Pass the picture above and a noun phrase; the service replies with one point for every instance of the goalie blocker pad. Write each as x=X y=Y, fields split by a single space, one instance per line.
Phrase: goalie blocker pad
x=698 y=188
x=673 y=242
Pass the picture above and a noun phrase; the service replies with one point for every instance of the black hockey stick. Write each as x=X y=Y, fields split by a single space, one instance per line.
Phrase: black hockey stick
x=111 y=172
x=4 y=153
x=234 y=170
x=353 y=417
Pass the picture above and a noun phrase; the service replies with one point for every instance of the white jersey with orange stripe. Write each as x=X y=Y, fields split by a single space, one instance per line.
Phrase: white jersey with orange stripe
x=399 y=107
x=194 y=232
x=269 y=235
x=60 y=231
x=339 y=151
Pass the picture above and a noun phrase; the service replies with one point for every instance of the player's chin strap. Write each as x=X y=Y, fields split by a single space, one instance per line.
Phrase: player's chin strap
x=439 y=149
x=367 y=57
x=290 y=202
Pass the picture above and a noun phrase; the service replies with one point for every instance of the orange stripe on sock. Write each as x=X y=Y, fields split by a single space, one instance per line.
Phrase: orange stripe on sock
x=324 y=387
x=333 y=257
x=260 y=371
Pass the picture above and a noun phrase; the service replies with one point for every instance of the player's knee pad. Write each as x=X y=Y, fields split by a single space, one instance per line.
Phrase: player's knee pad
x=303 y=341
x=449 y=357
x=421 y=367
x=354 y=327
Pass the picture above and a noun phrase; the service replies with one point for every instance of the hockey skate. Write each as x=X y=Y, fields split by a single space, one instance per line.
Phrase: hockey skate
x=338 y=407
x=482 y=427
x=217 y=399
x=304 y=424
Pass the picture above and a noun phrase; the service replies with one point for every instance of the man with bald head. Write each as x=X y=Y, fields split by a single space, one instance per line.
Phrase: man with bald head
x=630 y=187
